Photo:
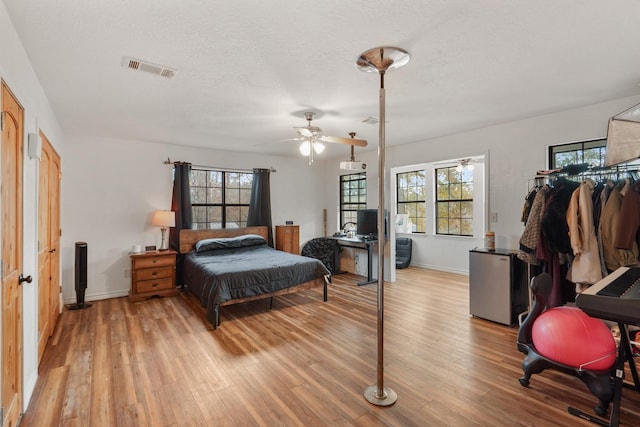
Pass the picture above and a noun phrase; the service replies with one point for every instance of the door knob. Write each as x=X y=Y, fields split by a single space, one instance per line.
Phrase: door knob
x=21 y=279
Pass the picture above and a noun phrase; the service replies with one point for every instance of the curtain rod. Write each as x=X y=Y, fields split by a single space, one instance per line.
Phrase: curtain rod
x=169 y=162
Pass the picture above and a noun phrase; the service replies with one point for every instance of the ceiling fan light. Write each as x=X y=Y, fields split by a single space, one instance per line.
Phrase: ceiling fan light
x=459 y=168
x=318 y=147
x=470 y=166
x=305 y=148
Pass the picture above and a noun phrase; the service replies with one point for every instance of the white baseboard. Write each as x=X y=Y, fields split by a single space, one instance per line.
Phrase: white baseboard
x=441 y=268
x=99 y=296
x=30 y=386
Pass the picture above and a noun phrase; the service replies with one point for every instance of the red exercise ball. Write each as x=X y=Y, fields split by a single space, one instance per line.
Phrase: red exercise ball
x=567 y=335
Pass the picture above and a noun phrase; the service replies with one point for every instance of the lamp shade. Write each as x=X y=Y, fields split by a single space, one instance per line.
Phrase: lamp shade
x=164 y=218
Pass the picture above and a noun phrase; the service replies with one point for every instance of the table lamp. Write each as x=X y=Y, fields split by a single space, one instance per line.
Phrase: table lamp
x=164 y=219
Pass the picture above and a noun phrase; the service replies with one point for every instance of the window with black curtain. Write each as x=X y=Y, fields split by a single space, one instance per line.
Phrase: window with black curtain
x=220 y=199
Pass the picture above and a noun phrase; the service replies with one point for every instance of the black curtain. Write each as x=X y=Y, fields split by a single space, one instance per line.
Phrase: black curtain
x=260 y=203
x=181 y=205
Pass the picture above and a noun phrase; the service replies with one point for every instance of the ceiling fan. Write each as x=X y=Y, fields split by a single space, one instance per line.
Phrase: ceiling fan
x=312 y=138
x=460 y=164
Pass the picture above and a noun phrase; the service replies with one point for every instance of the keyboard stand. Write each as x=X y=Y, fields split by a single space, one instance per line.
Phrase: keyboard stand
x=625 y=354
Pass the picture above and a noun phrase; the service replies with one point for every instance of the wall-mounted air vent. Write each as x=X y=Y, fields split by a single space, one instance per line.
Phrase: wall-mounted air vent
x=148 y=67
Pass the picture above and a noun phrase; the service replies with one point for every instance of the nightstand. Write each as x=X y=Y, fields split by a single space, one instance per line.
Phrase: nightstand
x=153 y=274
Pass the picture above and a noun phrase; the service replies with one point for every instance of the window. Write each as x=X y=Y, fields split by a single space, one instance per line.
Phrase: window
x=592 y=152
x=220 y=199
x=454 y=201
x=353 y=196
x=411 y=198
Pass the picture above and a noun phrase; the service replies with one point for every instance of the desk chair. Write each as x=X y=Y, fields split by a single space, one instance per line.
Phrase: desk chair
x=403 y=252
x=568 y=340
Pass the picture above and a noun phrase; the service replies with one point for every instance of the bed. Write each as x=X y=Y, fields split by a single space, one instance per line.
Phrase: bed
x=234 y=265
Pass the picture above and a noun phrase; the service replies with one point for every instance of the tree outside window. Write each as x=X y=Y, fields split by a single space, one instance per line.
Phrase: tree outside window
x=454 y=201
x=353 y=196
x=592 y=152
x=411 y=198
x=220 y=199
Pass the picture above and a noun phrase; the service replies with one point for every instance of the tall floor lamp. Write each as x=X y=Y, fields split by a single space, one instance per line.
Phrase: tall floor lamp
x=380 y=60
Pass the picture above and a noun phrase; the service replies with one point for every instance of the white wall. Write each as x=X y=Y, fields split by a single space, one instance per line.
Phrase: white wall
x=113 y=186
x=515 y=151
x=17 y=73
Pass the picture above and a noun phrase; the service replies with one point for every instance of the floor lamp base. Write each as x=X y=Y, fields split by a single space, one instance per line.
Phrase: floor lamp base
x=388 y=397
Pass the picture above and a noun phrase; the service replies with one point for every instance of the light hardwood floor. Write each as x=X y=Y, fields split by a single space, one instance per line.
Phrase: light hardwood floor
x=303 y=363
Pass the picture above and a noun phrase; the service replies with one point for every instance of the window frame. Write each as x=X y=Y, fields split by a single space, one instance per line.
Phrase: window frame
x=580 y=147
x=361 y=181
x=224 y=206
x=461 y=200
x=420 y=223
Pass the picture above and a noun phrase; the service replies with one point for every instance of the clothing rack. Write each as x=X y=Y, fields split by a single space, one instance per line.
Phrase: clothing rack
x=581 y=171
x=216 y=168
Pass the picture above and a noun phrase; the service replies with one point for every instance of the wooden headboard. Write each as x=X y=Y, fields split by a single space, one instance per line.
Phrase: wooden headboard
x=189 y=237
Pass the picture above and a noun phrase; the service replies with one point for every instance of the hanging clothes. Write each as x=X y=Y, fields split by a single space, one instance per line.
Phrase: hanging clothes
x=629 y=224
x=585 y=268
x=528 y=203
x=601 y=202
x=609 y=223
x=597 y=206
x=576 y=230
x=556 y=261
x=531 y=234
x=554 y=221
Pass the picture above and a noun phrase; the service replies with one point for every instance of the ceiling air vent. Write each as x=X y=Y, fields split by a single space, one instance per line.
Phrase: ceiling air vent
x=371 y=120
x=158 y=70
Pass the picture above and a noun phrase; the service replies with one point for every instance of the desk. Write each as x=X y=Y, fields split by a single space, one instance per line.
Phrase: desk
x=359 y=243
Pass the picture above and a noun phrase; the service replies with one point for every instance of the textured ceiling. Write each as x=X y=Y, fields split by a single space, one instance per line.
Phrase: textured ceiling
x=248 y=70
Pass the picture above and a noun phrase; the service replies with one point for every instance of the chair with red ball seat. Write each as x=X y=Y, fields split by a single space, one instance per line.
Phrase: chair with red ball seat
x=567 y=340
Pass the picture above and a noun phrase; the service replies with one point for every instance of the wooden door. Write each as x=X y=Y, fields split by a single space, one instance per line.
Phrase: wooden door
x=48 y=243
x=44 y=262
x=55 y=175
x=11 y=206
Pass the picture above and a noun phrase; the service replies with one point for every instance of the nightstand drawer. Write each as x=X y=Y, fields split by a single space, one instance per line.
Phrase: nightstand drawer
x=154 y=273
x=154 y=285
x=154 y=261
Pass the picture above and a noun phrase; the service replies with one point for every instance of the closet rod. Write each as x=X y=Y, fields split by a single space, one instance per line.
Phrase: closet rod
x=620 y=171
x=216 y=168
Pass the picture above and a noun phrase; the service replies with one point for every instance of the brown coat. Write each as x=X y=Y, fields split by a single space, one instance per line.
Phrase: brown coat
x=609 y=222
x=629 y=220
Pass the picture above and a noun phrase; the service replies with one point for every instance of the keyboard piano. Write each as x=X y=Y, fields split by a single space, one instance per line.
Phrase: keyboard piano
x=615 y=298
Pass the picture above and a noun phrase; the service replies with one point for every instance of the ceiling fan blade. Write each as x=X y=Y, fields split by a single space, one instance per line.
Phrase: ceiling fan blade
x=308 y=130
x=349 y=141
x=304 y=132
